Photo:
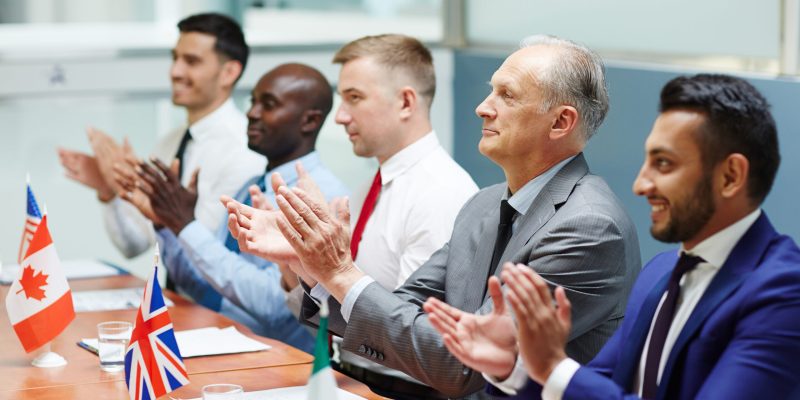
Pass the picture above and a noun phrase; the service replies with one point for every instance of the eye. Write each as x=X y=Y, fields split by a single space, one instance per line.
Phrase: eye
x=507 y=95
x=662 y=164
x=353 y=98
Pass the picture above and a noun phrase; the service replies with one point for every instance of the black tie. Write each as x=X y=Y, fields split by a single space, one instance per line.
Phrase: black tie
x=503 y=234
x=170 y=284
x=181 y=150
x=663 y=321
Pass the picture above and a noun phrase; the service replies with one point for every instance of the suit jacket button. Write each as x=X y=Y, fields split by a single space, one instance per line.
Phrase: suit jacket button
x=362 y=349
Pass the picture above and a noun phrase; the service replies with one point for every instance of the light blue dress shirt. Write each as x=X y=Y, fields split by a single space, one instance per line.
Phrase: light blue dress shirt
x=250 y=286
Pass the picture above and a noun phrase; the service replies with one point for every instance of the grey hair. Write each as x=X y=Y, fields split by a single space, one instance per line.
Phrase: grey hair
x=576 y=78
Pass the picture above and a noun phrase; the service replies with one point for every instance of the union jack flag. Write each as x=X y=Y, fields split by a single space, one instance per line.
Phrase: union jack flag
x=153 y=363
x=32 y=219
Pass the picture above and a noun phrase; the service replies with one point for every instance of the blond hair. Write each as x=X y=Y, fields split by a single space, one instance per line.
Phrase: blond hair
x=395 y=52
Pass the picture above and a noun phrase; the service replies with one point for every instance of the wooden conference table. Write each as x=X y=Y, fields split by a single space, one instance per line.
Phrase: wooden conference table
x=82 y=378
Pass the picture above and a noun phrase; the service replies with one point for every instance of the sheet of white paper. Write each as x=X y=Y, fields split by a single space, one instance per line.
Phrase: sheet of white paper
x=209 y=341
x=110 y=299
x=292 y=393
x=73 y=269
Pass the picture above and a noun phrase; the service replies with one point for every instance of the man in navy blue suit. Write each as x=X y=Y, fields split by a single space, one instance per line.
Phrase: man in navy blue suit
x=719 y=318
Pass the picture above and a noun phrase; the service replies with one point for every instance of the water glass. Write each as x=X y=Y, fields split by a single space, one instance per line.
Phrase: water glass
x=113 y=340
x=222 y=391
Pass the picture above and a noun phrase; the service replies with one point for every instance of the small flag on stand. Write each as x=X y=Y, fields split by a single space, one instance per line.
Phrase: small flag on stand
x=39 y=302
x=32 y=219
x=321 y=384
x=153 y=363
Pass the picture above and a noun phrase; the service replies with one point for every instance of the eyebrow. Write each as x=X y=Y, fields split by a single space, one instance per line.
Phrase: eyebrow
x=660 y=150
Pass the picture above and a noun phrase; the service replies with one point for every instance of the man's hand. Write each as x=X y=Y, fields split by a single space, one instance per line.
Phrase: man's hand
x=485 y=343
x=83 y=168
x=172 y=203
x=131 y=190
x=543 y=328
x=321 y=241
x=107 y=152
x=257 y=232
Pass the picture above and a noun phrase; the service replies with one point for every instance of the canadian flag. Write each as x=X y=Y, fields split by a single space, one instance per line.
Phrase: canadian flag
x=39 y=302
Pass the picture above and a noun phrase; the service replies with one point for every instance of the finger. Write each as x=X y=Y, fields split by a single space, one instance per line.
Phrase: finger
x=564 y=308
x=541 y=287
x=258 y=199
x=277 y=181
x=301 y=170
x=496 y=293
x=193 y=181
x=126 y=146
x=320 y=211
x=170 y=173
x=292 y=236
x=455 y=347
x=341 y=206
x=441 y=324
x=233 y=225
x=297 y=212
x=225 y=199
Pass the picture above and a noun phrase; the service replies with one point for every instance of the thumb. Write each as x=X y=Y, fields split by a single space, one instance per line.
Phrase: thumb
x=342 y=207
x=564 y=308
x=193 y=182
x=175 y=167
x=126 y=146
x=301 y=171
x=496 y=292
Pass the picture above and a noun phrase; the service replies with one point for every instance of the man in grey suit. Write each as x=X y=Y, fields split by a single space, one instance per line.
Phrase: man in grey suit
x=554 y=216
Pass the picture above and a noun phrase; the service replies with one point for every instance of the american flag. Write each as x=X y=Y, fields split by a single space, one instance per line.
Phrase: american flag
x=32 y=219
x=153 y=363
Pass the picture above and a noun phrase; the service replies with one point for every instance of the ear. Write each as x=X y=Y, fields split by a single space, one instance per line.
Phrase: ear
x=311 y=121
x=734 y=171
x=565 y=122
x=231 y=70
x=408 y=102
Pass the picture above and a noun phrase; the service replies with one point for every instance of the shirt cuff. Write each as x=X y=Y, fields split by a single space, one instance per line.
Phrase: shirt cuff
x=514 y=382
x=319 y=294
x=559 y=379
x=352 y=295
x=193 y=233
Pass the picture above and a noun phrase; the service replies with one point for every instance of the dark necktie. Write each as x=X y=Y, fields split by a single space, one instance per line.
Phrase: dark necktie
x=230 y=242
x=663 y=321
x=187 y=136
x=366 y=211
x=503 y=234
x=181 y=150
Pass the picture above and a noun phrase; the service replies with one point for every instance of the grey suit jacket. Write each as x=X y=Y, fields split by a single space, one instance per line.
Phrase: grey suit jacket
x=575 y=234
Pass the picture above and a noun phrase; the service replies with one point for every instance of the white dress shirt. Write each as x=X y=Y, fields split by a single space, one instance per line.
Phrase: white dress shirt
x=219 y=149
x=714 y=250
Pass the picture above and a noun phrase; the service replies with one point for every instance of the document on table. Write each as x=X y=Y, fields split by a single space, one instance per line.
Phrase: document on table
x=73 y=269
x=292 y=393
x=110 y=299
x=204 y=342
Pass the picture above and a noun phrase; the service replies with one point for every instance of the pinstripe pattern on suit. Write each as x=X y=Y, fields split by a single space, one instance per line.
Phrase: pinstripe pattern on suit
x=575 y=234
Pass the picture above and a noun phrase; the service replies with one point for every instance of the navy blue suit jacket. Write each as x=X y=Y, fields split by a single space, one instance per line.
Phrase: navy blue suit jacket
x=742 y=341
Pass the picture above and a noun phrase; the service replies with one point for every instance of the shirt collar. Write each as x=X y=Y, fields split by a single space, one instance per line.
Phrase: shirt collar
x=406 y=158
x=523 y=198
x=288 y=171
x=716 y=248
x=206 y=126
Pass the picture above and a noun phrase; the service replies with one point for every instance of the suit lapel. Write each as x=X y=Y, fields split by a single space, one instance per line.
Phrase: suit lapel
x=744 y=258
x=483 y=257
x=543 y=207
x=633 y=347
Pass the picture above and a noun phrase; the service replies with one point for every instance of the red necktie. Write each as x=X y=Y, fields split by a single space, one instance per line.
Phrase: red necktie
x=366 y=211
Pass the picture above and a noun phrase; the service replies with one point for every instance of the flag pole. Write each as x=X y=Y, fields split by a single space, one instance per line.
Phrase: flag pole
x=48 y=359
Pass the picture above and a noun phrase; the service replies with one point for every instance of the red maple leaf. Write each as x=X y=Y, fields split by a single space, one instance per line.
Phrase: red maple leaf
x=32 y=284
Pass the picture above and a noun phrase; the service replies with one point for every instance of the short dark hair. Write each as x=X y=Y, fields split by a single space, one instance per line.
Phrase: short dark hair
x=738 y=120
x=230 y=42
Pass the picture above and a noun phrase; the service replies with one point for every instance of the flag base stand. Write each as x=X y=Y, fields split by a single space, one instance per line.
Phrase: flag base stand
x=48 y=359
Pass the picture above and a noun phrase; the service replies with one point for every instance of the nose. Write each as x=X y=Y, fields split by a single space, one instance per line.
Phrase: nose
x=342 y=116
x=643 y=185
x=485 y=110
x=254 y=111
x=176 y=70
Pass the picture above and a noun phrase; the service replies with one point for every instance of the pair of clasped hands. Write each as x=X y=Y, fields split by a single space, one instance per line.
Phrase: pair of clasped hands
x=310 y=239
